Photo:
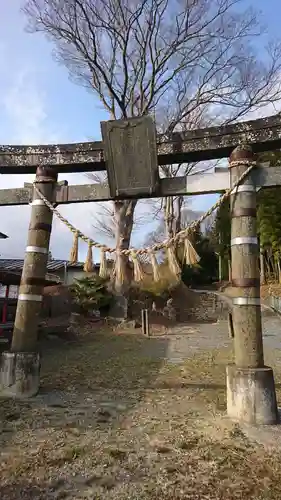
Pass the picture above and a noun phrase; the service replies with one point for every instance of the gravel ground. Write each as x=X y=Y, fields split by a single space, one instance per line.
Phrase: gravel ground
x=126 y=417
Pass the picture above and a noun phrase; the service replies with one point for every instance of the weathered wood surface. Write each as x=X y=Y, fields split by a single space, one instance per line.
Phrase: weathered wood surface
x=196 y=145
x=33 y=276
x=131 y=156
x=245 y=276
x=190 y=185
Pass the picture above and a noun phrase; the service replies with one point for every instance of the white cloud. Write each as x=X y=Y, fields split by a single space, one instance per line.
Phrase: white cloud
x=25 y=109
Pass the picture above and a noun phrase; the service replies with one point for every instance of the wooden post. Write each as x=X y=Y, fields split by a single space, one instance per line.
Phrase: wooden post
x=20 y=367
x=245 y=275
x=5 y=304
x=230 y=326
x=220 y=259
x=262 y=267
x=250 y=385
x=145 y=322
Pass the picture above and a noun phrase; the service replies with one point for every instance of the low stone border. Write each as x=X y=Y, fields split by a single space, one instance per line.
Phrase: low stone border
x=275 y=303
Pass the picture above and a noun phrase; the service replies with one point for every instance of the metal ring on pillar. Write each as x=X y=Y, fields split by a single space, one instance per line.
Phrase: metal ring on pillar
x=244 y=188
x=33 y=249
x=34 y=281
x=244 y=240
x=246 y=301
x=244 y=212
x=245 y=282
x=37 y=202
x=30 y=297
x=46 y=173
x=41 y=226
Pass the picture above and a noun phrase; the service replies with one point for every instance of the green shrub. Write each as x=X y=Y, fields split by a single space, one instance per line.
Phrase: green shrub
x=91 y=293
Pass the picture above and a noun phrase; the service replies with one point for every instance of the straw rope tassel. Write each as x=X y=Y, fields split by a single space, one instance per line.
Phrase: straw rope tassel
x=138 y=271
x=120 y=271
x=89 y=265
x=191 y=257
x=172 y=261
x=74 y=250
x=155 y=266
x=103 y=264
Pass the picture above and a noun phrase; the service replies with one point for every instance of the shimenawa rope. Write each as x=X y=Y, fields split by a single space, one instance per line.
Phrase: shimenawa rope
x=168 y=244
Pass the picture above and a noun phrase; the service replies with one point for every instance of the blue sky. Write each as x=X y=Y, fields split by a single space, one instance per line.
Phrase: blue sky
x=40 y=105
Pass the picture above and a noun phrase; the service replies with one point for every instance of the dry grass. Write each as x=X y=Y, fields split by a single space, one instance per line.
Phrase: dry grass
x=271 y=289
x=116 y=421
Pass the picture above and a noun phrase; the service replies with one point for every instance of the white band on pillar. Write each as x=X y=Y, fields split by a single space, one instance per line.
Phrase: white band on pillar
x=245 y=188
x=30 y=297
x=244 y=240
x=33 y=249
x=246 y=301
x=38 y=202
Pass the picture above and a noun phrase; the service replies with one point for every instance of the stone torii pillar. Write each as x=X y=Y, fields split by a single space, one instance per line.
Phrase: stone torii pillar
x=250 y=385
x=20 y=368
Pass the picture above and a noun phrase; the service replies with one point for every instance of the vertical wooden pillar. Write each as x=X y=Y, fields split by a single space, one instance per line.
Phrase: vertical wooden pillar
x=220 y=259
x=5 y=305
x=20 y=367
x=145 y=322
x=35 y=264
x=250 y=385
x=244 y=266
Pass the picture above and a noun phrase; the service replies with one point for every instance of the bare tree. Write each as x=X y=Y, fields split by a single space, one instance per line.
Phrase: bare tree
x=187 y=61
x=162 y=230
x=105 y=219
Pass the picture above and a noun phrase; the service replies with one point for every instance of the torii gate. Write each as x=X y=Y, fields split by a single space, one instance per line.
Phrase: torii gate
x=131 y=154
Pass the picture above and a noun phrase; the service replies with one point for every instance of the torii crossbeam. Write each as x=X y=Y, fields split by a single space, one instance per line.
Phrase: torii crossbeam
x=196 y=145
x=203 y=144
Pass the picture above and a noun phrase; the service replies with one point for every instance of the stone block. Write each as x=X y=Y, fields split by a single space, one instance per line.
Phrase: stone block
x=119 y=309
x=251 y=396
x=19 y=374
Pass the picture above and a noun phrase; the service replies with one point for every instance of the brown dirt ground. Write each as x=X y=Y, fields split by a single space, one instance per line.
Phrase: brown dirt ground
x=116 y=420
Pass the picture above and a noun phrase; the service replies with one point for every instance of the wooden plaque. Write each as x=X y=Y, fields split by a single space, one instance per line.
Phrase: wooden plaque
x=130 y=152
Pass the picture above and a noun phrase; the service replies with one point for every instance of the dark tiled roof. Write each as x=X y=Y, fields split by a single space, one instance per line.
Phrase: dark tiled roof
x=8 y=277
x=53 y=265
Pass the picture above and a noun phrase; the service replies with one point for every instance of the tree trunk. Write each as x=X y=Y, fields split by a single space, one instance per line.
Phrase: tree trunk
x=275 y=268
x=229 y=270
x=267 y=265
x=178 y=217
x=220 y=259
x=220 y=268
x=278 y=270
x=124 y=217
x=169 y=216
x=262 y=267
x=272 y=267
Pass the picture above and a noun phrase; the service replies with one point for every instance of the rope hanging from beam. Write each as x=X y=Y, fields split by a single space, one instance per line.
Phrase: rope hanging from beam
x=169 y=245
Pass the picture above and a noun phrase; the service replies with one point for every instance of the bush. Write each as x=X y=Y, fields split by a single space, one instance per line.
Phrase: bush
x=91 y=293
x=206 y=271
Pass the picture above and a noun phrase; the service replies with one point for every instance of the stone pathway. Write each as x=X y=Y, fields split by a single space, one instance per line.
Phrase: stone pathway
x=185 y=340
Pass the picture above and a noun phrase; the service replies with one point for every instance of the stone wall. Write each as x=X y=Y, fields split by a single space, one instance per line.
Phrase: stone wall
x=209 y=307
x=56 y=302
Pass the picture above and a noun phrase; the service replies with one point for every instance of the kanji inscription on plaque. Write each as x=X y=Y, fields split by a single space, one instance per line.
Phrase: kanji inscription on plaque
x=131 y=156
